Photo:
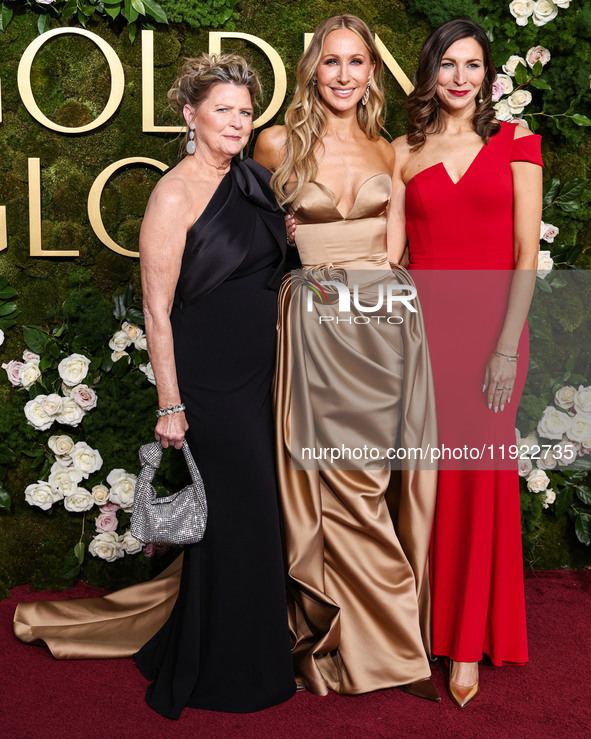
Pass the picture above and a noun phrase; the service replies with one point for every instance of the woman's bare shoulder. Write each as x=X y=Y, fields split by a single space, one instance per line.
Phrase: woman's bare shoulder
x=270 y=147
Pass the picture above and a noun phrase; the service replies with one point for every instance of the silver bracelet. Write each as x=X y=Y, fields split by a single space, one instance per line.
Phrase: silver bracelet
x=171 y=409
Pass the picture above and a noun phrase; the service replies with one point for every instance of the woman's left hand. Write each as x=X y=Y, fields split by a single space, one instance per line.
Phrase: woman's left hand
x=499 y=379
x=290 y=225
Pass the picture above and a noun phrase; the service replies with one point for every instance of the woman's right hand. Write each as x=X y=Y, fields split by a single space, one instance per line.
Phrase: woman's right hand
x=170 y=430
x=290 y=225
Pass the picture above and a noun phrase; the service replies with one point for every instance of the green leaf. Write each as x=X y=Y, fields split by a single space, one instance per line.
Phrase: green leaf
x=550 y=190
x=540 y=84
x=583 y=529
x=4 y=500
x=543 y=286
x=7 y=309
x=584 y=493
x=35 y=339
x=112 y=2
x=134 y=315
x=568 y=206
x=81 y=18
x=138 y=6
x=129 y=13
x=156 y=11
x=5 y=16
x=564 y=499
x=521 y=74
x=7 y=456
x=573 y=189
x=7 y=292
x=79 y=550
x=43 y=23
x=581 y=120
x=538 y=68
x=113 y=12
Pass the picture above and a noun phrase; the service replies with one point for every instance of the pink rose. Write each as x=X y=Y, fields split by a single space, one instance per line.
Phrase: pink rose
x=537 y=54
x=550 y=233
x=109 y=507
x=106 y=522
x=84 y=396
x=498 y=89
x=13 y=371
x=29 y=356
x=149 y=550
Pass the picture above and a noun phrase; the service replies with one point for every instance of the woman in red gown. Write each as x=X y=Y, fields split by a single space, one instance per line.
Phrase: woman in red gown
x=468 y=194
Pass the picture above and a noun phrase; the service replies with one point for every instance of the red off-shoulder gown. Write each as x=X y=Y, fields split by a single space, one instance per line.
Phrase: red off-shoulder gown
x=461 y=253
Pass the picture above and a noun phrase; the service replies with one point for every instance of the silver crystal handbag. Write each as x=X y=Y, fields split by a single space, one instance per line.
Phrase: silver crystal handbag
x=179 y=518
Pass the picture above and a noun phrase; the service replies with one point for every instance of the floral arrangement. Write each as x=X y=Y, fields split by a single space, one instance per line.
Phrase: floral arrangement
x=133 y=13
x=540 y=11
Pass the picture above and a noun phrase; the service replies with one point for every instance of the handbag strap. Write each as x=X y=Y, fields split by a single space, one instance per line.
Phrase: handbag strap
x=151 y=455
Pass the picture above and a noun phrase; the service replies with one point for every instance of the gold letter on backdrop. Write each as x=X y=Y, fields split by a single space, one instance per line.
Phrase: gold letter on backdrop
x=94 y=200
x=3 y=233
x=148 y=88
x=36 y=247
x=215 y=47
x=24 y=80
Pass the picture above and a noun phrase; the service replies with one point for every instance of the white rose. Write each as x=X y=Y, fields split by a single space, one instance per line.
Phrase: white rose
x=122 y=488
x=106 y=546
x=116 y=356
x=84 y=396
x=518 y=101
x=537 y=54
x=67 y=390
x=544 y=11
x=537 y=481
x=86 y=459
x=553 y=423
x=547 y=460
x=133 y=332
x=524 y=466
x=565 y=452
x=545 y=263
x=530 y=440
x=13 y=372
x=29 y=356
x=71 y=414
x=119 y=341
x=141 y=343
x=130 y=544
x=80 y=500
x=502 y=111
x=40 y=494
x=101 y=494
x=64 y=479
x=550 y=232
x=582 y=400
x=549 y=497
x=1 y=337
x=506 y=81
x=36 y=415
x=60 y=445
x=565 y=397
x=73 y=369
x=562 y=3
x=30 y=373
x=148 y=371
x=511 y=64
x=521 y=10
x=580 y=427
x=52 y=404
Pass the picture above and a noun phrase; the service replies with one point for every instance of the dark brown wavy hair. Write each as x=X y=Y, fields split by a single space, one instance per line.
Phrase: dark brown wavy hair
x=422 y=105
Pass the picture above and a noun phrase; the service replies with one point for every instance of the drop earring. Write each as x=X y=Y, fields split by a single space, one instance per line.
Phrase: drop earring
x=365 y=97
x=190 y=146
x=480 y=99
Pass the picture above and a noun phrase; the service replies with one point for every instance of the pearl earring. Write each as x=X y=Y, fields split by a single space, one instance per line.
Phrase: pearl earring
x=190 y=147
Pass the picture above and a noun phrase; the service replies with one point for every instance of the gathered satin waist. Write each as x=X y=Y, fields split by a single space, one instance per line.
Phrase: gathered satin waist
x=355 y=244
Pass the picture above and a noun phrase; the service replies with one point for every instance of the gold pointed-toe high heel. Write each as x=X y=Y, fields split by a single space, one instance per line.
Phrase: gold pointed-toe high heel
x=461 y=695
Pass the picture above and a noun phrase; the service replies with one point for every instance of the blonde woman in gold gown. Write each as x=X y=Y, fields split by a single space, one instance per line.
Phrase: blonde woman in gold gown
x=357 y=539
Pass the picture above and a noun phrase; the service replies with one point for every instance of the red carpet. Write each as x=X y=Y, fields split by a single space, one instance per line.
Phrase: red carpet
x=549 y=697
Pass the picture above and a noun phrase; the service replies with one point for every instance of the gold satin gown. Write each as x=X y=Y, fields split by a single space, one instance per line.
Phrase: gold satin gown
x=357 y=540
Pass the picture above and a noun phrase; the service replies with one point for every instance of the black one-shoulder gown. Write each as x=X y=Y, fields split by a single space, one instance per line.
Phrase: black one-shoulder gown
x=226 y=644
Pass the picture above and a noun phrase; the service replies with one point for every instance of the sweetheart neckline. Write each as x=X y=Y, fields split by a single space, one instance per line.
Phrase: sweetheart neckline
x=442 y=164
x=322 y=185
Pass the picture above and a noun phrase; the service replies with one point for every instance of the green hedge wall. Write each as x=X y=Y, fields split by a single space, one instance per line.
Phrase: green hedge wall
x=70 y=79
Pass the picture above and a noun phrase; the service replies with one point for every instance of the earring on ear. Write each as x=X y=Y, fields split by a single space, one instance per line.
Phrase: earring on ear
x=481 y=99
x=190 y=146
x=365 y=97
x=314 y=81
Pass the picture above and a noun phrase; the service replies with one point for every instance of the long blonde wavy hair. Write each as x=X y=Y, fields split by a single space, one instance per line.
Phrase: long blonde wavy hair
x=305 y=118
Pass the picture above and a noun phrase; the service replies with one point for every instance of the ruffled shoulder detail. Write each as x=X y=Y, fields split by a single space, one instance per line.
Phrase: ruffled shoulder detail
x=254 y=183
